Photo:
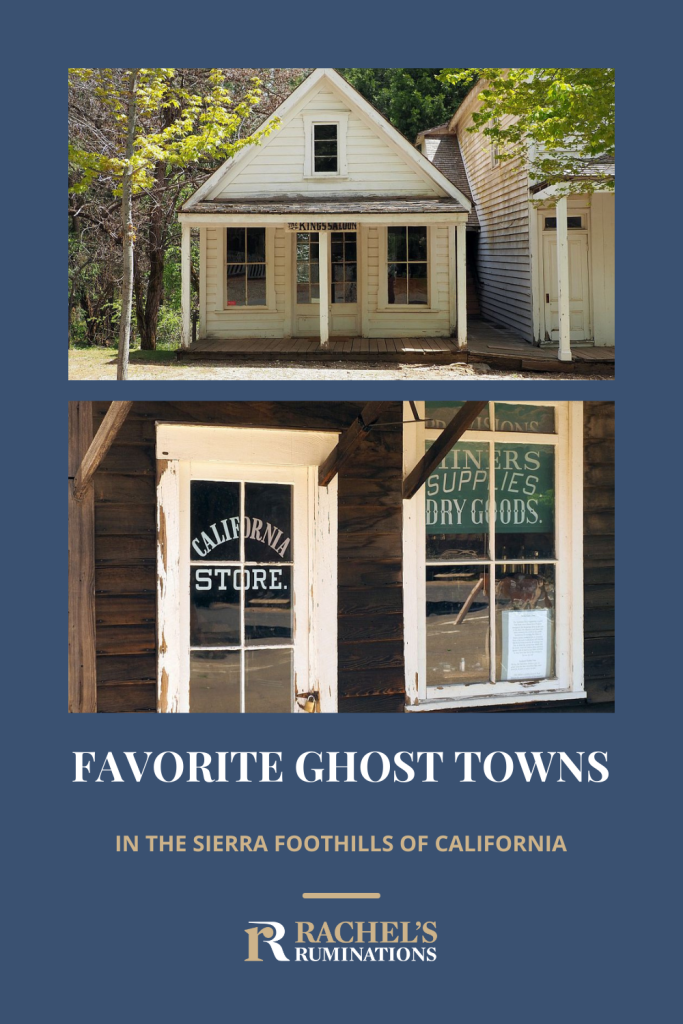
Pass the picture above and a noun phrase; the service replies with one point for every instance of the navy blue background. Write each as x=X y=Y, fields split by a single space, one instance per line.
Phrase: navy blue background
x=100 y=936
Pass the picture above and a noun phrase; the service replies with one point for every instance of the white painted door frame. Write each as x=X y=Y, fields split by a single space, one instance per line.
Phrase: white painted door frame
x=233 y=453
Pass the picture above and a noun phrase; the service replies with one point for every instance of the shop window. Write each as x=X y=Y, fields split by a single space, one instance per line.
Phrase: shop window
x=246 y=267
x=247 y=571
x=497 y=531
x=407 y=266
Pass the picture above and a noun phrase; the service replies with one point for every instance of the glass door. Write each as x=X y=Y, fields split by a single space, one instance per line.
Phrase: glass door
x=245 y=562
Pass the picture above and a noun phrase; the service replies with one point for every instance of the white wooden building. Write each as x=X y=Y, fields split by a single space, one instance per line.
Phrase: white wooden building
x=334 y=226
x=545 y=266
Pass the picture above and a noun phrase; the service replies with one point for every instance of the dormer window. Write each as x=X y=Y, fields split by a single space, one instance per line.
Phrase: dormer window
x=325 y=149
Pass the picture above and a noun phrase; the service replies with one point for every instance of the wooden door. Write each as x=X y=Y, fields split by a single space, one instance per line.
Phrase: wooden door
x=343 y=271
x=579 y=291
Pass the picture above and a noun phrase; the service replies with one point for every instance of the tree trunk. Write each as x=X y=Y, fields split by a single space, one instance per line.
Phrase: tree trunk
x=128 y=232
x=156 y=253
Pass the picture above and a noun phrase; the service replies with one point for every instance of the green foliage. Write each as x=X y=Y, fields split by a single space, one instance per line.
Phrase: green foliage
x=174 y=125
x=411 y=99
x=559 y=119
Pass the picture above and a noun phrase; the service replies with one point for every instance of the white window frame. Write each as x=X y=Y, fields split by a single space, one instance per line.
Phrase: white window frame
x=383 y=305
x=342 y=123
x=186 y=452
x=271 y=298
x=568 y=683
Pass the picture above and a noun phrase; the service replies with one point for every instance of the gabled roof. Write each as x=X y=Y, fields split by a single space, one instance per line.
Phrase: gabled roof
x=287 y=110
x=443 y=150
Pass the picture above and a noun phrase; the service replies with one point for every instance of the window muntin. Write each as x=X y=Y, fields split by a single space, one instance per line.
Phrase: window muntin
x=242 y=629
x=246 y=267
x=407 y=266
x=344 y=255
x=307 y=268
x=326 y=148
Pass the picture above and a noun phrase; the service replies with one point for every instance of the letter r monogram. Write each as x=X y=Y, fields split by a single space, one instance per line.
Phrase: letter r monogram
x=272 y=933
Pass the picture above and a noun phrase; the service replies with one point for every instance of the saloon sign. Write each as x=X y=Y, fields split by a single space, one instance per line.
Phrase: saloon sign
x=457 y=498
x=320 y=226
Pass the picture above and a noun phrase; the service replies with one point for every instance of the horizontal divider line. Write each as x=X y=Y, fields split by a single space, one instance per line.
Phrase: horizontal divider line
x=341 y=896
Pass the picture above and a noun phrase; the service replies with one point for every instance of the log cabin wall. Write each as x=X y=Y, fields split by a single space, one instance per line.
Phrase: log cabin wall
x=371 y=675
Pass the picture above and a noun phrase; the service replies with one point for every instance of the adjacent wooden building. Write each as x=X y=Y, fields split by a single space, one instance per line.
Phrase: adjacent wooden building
x=341 y=557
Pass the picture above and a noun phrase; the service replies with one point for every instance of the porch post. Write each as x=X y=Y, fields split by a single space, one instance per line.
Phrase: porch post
x=324 y=240
x=185 y=258
x=462 y=286
x=565 y=353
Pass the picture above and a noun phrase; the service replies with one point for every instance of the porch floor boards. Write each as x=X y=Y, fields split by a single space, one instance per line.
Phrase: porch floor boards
x=495 y=346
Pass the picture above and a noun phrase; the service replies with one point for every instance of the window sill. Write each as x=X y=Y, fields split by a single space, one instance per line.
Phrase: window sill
x=404 y=308
x=326 y=177
x=447 y=703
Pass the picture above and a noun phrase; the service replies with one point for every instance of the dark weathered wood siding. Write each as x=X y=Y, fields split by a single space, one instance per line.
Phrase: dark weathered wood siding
x=371 y=669
x=370 y=525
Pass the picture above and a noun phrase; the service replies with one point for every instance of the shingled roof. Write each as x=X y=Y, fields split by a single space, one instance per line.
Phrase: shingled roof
x=443 y=150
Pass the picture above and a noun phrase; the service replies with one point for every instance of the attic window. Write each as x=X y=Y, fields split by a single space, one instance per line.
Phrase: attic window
x=326 y=148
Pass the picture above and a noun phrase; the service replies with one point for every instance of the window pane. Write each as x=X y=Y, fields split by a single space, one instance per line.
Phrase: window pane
x=350 y=248
x=337 y=249
x=440 y=414
x=419 y=285
x=256 y=294
x=268 y=523
x=397 y=249
x=326 y=149
x=267 y=606
x=525 y=419
x=215 y=682
x=268 y=682
x=214 y=521
x=525 y=622
x=325 y=131
x=303 y=296
x=457 y=504
x=458 y=634
x=337 y=271
x=351 y=294
x=256 y=245
x=237 y=285
x=236 y=245
x=351 y=272
x=215 y=607
x=525 y=500
x=338 y=294
x=326 y=165
x=303 y=272
x=417 y=243
x=397 y=284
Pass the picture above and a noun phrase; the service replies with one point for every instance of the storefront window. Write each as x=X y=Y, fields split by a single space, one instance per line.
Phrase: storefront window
x=496 y=560
x=241 y=585
x=246 y=267
x=407 y=267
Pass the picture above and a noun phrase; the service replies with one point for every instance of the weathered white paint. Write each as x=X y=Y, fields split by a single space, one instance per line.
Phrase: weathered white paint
x=602 y=243
x=284 y=459
x=462 y=286
x=186 y=303
x=501 y=195
x=568 y=684
x=563 y=304
x=379 y=158
x=324 y=248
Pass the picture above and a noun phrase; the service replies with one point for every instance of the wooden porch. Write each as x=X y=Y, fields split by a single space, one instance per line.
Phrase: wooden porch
x=494 y=346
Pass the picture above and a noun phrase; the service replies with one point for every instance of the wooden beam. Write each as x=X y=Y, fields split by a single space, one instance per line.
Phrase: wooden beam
x=461 y=422
x=349 y=441
x=324 y=277
x=81 y=601
x=98 y=448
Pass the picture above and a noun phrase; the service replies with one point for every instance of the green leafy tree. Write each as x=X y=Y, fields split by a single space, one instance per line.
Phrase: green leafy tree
x=411 y=99
x=561 y=120
x=152 y=120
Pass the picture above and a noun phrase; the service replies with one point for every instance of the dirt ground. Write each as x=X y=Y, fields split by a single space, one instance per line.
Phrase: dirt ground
x=100 y=364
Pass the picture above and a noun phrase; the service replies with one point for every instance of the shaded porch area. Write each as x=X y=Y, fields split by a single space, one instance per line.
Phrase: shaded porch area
x=487 y=344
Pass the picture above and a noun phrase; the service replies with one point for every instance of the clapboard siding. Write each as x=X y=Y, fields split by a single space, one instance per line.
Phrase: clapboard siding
x=599 y=569
x=374 y=166
x=370 y=523
x=501 y=196
x=238 y=322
